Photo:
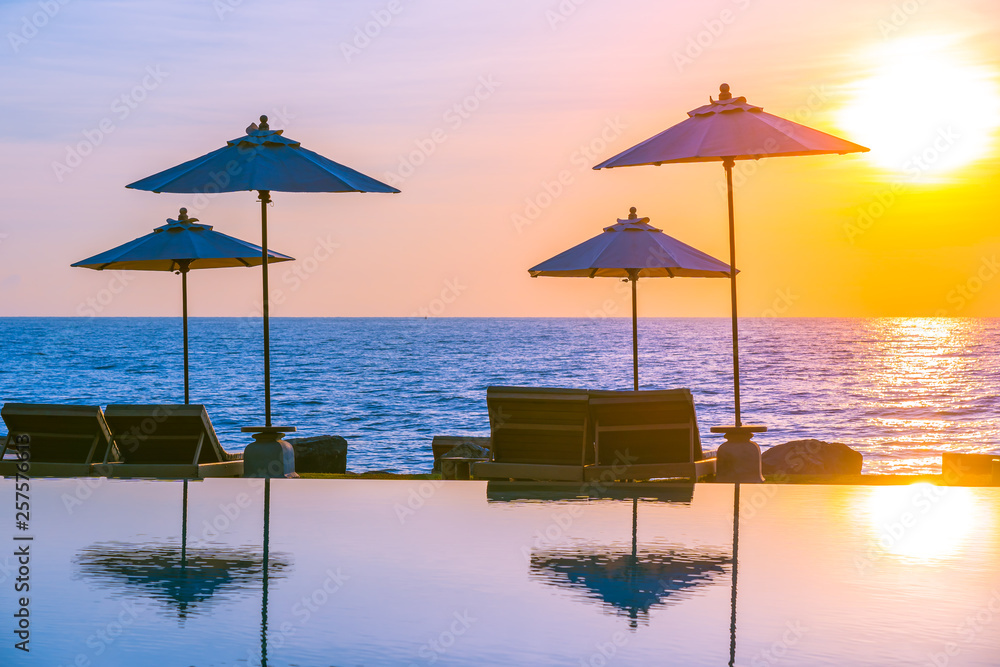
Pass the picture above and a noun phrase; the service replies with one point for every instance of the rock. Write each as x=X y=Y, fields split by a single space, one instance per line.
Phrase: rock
x=323 y=453
x=811 y=457
x=460 y=468
x=442 y=444
x=467 y=450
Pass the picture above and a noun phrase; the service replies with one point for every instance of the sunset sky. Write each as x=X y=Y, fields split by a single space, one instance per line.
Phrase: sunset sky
x=489 y=117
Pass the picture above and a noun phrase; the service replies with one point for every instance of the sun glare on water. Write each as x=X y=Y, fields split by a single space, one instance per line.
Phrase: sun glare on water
x=925 y=110
x=922 y=523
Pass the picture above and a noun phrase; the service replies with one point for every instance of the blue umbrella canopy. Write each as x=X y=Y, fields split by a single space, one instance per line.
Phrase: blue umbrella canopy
x=632 y=249
x=632 y=246
x=181 y=244
x=262 y=159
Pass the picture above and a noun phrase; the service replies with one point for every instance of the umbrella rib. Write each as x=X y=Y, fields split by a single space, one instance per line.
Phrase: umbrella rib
x=192 y=165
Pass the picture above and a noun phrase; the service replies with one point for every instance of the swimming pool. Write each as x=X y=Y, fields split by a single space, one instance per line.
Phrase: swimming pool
x=372 y=572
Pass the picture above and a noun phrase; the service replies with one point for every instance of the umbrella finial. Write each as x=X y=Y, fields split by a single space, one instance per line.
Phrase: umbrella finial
x=263 y=123
x=183 y=215
x=724 y=93
x=632 y=214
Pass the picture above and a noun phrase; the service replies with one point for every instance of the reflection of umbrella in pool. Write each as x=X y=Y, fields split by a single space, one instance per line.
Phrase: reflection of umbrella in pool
x=629 y=582
x=632 y=249
x=264 y=161
x=190 y=584
x=188 y=579
x=726 y=130
x=181 y=245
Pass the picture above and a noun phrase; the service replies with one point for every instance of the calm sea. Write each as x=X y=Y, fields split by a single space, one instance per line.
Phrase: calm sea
x=899 y=390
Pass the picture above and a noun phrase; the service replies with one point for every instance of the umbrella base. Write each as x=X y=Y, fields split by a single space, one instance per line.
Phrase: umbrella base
x=268 y=455
x=738 y=458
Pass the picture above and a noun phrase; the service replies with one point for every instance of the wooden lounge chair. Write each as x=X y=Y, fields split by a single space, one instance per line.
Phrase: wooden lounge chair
x=168 y=441
x=646 y=435
x=538 y=434
x=65 y=440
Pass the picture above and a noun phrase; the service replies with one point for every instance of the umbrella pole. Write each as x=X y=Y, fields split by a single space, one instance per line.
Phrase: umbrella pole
x=265 y=199
x=184 y=527
x=736 y=546
x=729 y=163
x=184 y=308
x=633 y=277
x=263 y=603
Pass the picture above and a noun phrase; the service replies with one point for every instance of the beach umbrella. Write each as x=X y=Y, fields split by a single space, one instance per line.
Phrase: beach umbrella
x=265 y=161
x=726 y=130
x=180 y=246
x=632 y=249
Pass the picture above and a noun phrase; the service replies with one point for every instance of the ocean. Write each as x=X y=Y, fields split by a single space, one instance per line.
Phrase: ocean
x=899 y=390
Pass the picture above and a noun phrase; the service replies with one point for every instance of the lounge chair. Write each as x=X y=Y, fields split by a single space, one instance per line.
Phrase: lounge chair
x=646 y=435
x=537 y=434
x=168 y=441
x=66 y=440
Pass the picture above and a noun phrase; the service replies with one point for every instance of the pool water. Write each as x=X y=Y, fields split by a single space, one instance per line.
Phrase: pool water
x=372 y=572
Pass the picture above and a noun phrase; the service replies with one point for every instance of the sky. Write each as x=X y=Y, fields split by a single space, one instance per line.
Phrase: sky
x=489 y=116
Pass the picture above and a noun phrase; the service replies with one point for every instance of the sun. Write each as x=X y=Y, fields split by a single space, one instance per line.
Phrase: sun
x=926 y=109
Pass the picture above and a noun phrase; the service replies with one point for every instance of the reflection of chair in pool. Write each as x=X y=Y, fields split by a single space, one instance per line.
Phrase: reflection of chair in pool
x=168 y=441
x=514 y=492
x=65 y=440
x=646 y=435
x=537 y=433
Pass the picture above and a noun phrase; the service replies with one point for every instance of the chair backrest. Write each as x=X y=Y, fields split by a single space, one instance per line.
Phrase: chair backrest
x=167 y=434
x=540 y=425
x=61 y=433
x=645 y=426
